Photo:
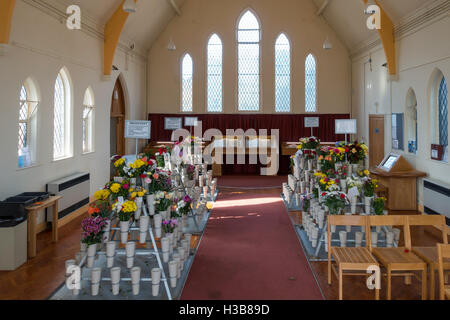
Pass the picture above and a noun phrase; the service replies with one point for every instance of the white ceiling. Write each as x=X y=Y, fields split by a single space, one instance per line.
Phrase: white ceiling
x=346 y=17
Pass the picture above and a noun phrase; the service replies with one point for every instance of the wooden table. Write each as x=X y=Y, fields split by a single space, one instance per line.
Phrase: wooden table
x=32 y=212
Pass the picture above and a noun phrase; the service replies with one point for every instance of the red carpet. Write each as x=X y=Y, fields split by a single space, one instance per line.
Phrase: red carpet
x=251 y=181
x=250 y=251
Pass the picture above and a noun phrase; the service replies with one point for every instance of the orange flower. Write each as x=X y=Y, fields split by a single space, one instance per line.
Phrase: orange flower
x=155 y=176
x=93 y=210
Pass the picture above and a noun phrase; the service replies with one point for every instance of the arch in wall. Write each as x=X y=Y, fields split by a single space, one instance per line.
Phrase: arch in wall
x=411 y=121
x=433 y=98
x=117 y=118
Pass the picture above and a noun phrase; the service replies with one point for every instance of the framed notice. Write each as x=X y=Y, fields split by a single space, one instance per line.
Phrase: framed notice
x=190 y=121
x=312 y=122
x=173 y=123
x=137 y=129
x=347 y=126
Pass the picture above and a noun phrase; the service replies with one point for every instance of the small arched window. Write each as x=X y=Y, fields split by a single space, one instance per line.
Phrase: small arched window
x=282 y=74
x=187 y=73
x=88 y=121
x=62 y=121
x=248 y=38
x=439 y=116
x=310 y=84
x=411 y=121
x=28 y=106
x=215 y=87
x=443 y=113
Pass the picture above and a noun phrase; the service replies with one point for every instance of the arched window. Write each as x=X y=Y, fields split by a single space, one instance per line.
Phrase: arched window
x=215 y=92
x=439 y=116
x=411 y=121
x=186 y=83
x=249 y=37
x=88 y=121
x=443 y=113
x=28 y=105
x=62 y=122
x=310 y=84
x=282 y=74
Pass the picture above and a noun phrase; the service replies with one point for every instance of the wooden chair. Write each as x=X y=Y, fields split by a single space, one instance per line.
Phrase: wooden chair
x=429 y=254
x=355 y=260
x=443 y=253
x=399 y=261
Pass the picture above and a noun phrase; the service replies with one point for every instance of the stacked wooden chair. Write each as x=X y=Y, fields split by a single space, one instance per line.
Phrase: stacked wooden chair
x=400 y=261
x=430 y=254
x=349 y=261
x=443 y=251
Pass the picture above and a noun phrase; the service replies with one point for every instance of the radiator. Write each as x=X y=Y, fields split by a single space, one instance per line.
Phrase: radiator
x=436 y=198
x=74 y=189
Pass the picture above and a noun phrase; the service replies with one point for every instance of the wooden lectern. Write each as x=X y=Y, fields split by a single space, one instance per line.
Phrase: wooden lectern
x=400 y=178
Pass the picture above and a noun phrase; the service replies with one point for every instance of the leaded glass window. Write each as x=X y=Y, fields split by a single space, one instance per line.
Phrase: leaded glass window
x=27 y=124
x=88 y=123
x=282 y=74
x=249 y=36
x=187 y=83
x=310 y=84
x=443 y=113
x=215 y=91
x=59 y=119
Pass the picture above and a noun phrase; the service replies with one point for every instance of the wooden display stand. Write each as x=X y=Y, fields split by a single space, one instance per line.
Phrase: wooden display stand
x=400 y=180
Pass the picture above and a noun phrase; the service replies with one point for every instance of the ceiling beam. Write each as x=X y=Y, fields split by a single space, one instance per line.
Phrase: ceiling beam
x=113 y=30
x=387 y=36
x=6 y=12
x=175 y=7
x=323 y=7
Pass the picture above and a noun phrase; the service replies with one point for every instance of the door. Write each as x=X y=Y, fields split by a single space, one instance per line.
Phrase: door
x=117 y=139
x=376 y=139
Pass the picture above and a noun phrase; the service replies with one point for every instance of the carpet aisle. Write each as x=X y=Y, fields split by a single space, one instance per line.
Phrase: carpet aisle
x=250 y=251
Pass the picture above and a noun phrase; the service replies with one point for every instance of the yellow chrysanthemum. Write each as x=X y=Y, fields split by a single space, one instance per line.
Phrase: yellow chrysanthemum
x=102 y=194
x=115 y=188
x=119 y=162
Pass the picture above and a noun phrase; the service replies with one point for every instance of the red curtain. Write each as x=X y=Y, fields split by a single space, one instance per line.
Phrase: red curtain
x=291 y=128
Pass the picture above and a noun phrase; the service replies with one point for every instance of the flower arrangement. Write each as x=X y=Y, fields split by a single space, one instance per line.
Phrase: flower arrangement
x=118 y=189
x=92 y=229
x=311 y=143
x=169 y=225
x=184 y=205
x=325 y=183
x=120 y=164
x=125 y=210
x=159 y=180
x=137 y=168
x=102 y=195
x=138 y=192
x=351 y=183
x=369 y=186
x=357 y=152
x=163 y=200
x=309 y=154
x=338 y=154
x=190 y=169
x=378 y=205
x=160 y=156
x=306 y=202
x=100 y=208
x=335 y=201
x=341 y=173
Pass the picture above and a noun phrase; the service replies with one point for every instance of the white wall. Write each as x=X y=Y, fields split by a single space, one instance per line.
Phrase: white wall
x=40 y=47
x=418 y=56
x=297 y=19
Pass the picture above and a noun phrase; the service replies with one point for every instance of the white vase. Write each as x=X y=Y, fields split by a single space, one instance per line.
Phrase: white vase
x=368 y=204
x=165 y=248
x=106 y=230
x=343 y=238
x=110 y=253
x=130 y=249
x=176 y=257
x=348 y=228
x=349 y=170
x=310 y=165
x=397 y=233
x=353 y=202
x=118 y=179
x=171 y=237
x=135 y=279
x=173 y=270
x=151 y=204
x=358 y=239
x=156 y=279
x=83 y=247
x=374 y=237
x=95 y=280
x=333 y=229
x=314 y=236
x=91 y=251
x=115 y=280
x=355 y=167
x=343 y=185
x=133 y=182
x=389 y=239
x=124 y=228
x=143 y=228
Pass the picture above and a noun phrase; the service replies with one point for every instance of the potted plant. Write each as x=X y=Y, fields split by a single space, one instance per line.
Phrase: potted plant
x=118 y=190
x=369 y=186
x=125 y=211
x=335 y=201
x=92 y=231
x=378 y=206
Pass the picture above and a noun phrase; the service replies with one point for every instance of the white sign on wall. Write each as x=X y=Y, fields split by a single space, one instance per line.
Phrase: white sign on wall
x=190 y=121
x=137 y=129
x=312 y=122
x=173 y=123
x=345 y=126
